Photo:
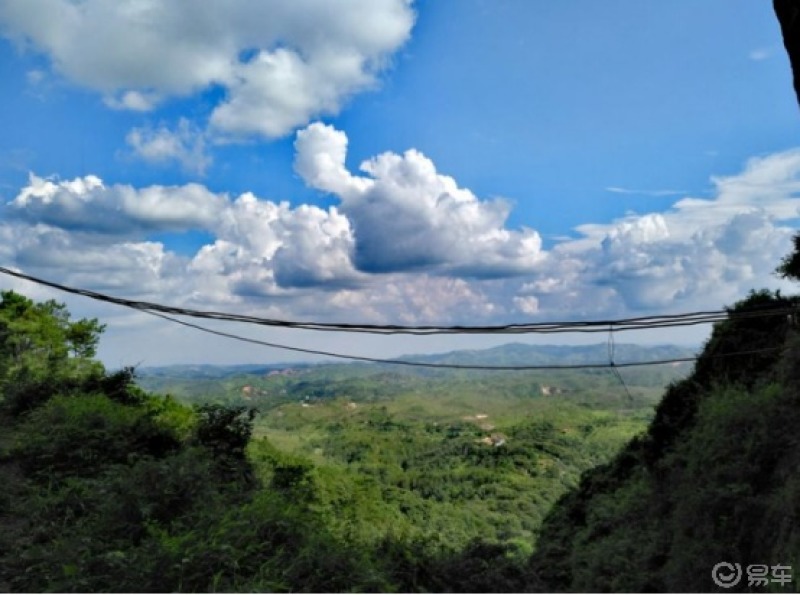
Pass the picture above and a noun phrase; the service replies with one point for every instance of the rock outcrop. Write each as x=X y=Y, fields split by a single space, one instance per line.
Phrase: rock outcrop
x=788 y=13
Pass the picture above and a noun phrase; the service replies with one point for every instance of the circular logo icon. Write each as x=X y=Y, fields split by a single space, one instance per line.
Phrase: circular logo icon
x=726 y=575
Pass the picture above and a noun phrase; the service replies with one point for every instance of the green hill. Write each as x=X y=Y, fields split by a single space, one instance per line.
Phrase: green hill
x=523 y=354
x=712 y=480
x=351 y=477
x=270 y=385
x=374 y=478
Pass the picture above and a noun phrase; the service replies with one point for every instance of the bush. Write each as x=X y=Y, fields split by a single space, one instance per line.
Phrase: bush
x=80 y=435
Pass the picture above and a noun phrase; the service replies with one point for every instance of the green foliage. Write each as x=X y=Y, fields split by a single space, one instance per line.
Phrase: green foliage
x=790 y=265
x=80 y=435
x=44 y=330
x=111 y=489
x=712 y=480
x=414 y=481
x=742 y=334
x=435 y=390
x=42 y=350
x=481 y=567
x=225 y=430
x=436 y=482
x=760 y=339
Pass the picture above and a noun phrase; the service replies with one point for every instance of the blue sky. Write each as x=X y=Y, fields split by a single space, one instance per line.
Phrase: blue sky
x=447 y=161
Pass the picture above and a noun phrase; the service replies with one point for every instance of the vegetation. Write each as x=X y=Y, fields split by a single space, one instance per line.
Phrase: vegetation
x=364 y=478
x=713 y=478
x=108 y=488
x=351 y=478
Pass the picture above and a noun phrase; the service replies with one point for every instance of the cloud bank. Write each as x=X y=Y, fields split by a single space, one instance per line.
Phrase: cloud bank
x=404 y=244
x=278 y=64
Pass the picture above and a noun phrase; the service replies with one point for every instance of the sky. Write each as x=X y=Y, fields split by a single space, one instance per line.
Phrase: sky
x=440 y=162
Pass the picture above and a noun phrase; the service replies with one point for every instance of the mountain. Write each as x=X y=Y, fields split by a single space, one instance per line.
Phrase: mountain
x=211 y=371
x=712 y=480
x=360 y=380
x=523 y=354
x=510 y=354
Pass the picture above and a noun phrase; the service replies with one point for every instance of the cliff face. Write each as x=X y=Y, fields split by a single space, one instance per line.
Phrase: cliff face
x=788 y=13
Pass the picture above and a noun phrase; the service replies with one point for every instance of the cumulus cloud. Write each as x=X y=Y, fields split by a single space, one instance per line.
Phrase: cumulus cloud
x=86 y=204
x=132 y=268
x=405 y=244
x=716 y=264
x=263 y=247
x=279 y=63
x=701 y=253
x=259 y=247
x=407 y=216
x=526 y=304
x=319 y=159
x=407 y=299
x=135 y=101
x=186 y=145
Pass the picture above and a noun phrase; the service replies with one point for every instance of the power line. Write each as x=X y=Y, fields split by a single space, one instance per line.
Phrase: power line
x=611 y=349
x=639 y=323
x=611 y=327
x=402 y=362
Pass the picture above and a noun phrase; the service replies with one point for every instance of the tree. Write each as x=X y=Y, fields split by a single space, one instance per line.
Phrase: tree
x=790 y=265
x=42 y=351
x=45 y=328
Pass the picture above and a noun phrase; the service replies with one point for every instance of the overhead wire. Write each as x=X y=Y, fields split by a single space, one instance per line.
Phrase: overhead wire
x=611 y=349
x=404 y=362
x=587 y=326
x=169 y=312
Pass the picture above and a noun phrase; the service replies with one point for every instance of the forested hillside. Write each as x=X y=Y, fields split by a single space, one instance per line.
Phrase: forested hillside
x=269 y=387
x=106 y=488
x=440 y=483
x=714 y=478
x=347 y=479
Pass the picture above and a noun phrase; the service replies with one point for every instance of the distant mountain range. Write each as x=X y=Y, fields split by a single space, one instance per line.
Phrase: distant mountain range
x=511 y=354
x=521 y=354
x=215 y=372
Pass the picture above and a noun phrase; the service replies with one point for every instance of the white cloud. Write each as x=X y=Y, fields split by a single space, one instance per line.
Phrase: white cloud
x=661 y=192
x=759 y=54
x=35 y=77
x=527 y=304
x=186 y=145
x=136 y=101
x=124 y=267
x=769 y=183
x=87 y=205
x=279 y=63
x=319 y=159
x=701 y=253
x=716 y=265
x=406 y=216
x=263 y=247
x=405 y=245
x=260 y=247
x=408 y=299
